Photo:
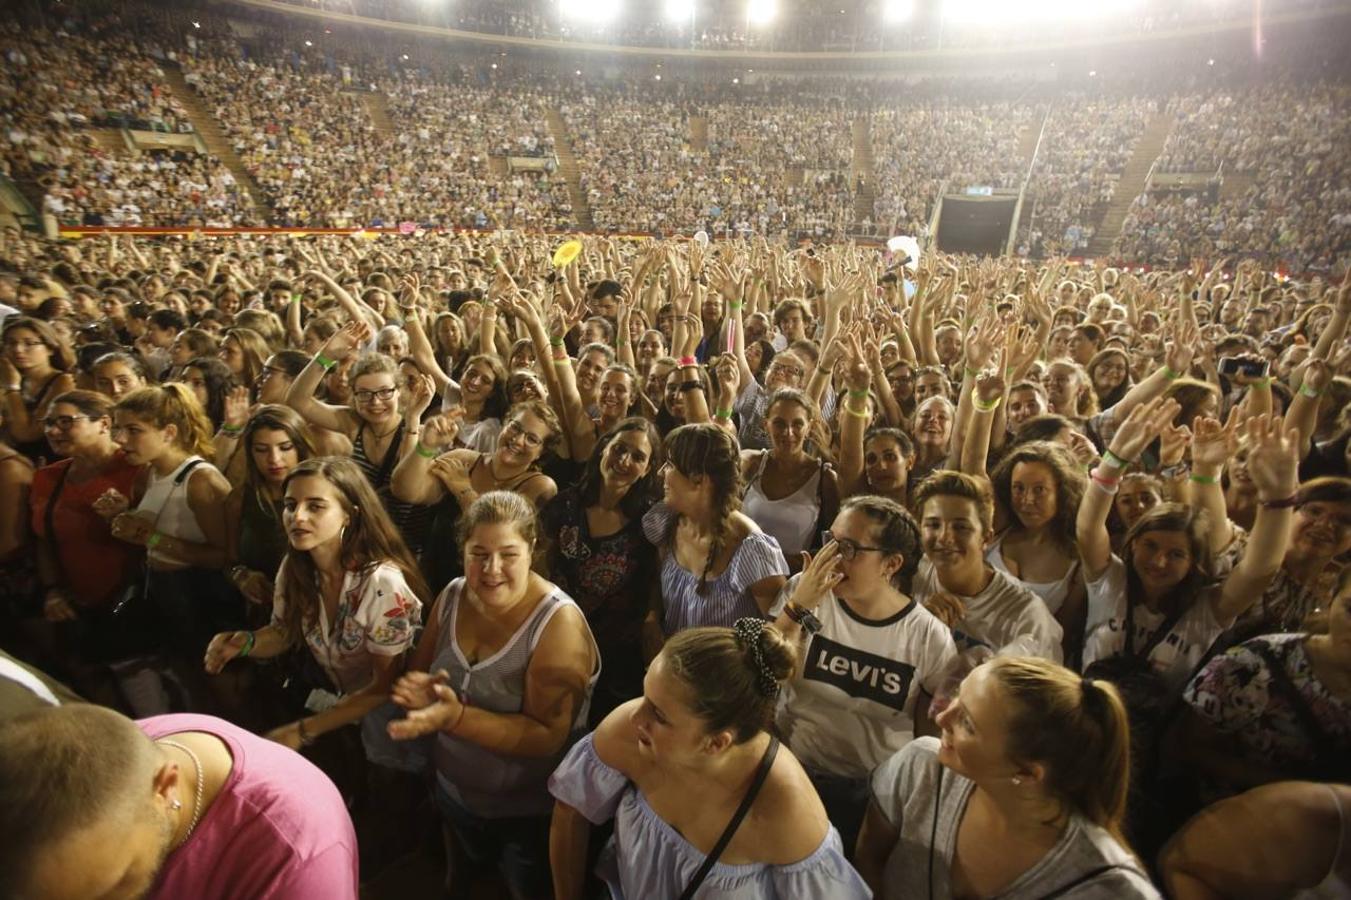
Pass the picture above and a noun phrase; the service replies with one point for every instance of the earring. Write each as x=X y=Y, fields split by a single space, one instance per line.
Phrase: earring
x=175 y=804
x=1017 y=781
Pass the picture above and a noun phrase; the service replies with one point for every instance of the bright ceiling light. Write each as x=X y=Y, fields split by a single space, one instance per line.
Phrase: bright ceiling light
x=987 y=12
x=679 y=11
x=592 y=12
x=761 y=12
x=896 y=11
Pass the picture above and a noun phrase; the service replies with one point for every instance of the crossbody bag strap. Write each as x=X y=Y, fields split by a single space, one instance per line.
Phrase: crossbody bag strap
x=1165 y=628
x=933 y=830
x=49 y=513
x=761 y=774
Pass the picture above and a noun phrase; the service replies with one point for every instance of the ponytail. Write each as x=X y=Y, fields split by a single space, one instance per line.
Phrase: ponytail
x=1077 y=729
x=173 y=404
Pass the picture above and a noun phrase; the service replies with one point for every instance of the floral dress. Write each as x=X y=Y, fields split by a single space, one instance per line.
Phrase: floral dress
x=611 y=578
x=1237 y=694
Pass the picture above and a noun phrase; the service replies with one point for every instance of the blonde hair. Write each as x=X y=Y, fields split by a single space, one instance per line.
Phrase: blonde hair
x=173 y=404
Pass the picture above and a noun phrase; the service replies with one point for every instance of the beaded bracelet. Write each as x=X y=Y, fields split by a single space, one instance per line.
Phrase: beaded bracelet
x=324 y=361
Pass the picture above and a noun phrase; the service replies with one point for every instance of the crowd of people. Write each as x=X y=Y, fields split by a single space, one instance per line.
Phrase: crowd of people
x=734 y=568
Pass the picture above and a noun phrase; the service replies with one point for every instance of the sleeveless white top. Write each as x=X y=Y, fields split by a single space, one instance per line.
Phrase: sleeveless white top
x=792 y=520
x=165 y=504
x=1052 y=593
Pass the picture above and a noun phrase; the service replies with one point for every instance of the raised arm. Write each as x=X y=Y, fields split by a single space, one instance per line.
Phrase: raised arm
x=854 y=423
x=1131 y=438
x=356 y=310
x=300 y=397
x=1273 y=463
x=986 y=399
x=1212 y=446
x=1303 y=412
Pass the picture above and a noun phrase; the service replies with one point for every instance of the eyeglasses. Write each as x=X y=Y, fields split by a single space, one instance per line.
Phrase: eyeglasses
x=516 y=429
x=848 y=549
x=62 y=423
x=786 y=369
x=369 y=396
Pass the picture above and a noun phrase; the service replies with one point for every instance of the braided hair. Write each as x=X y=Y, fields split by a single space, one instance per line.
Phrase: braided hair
x=706 y=450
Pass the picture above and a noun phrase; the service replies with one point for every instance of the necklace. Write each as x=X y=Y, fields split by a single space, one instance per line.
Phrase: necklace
x=197 y=801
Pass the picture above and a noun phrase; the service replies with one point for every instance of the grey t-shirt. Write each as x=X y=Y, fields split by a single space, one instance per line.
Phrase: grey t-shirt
x=905 y=788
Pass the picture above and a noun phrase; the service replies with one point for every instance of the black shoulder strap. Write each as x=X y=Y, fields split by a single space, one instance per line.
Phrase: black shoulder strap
x=1082 y=879
x=182 y=476
x=1165 y=628
x=933 y=830
x=762 y=773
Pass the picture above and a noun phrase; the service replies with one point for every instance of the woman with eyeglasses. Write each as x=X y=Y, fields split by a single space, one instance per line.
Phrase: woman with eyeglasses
x=33 y=370
x=870 y=658
x=381 y=434
x=598 y=554
x=437 y=474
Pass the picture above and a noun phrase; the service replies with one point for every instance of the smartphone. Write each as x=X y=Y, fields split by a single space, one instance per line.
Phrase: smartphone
x=1236 y=365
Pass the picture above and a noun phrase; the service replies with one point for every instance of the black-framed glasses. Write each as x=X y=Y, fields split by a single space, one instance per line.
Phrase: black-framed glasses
x=849 y=549
x=62 y=423
x=382 y=395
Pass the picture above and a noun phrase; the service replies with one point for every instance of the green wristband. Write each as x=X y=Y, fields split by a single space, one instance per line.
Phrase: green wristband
x=723 y=414
x=1170 y=374
x=1109 y=456
x=153 y=541
x=232 y=430
x=1310 y=392
x=248 y=644
x=1203 y=479
x=425 y=452
x=324 y=361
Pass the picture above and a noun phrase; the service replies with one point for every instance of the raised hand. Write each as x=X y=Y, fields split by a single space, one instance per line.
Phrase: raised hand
x=453 y=473
x=421 y=390
x=347 y=340
x=237 y=407
x=1273 y=457
x=1173 y=441
x=820 y=574
x=1184 y=341
x=989 y=387
x=1143 y=425
x=1214 y=444
x=439 y=432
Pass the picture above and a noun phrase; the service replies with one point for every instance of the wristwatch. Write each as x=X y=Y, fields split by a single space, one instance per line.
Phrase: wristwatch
x=803 y=617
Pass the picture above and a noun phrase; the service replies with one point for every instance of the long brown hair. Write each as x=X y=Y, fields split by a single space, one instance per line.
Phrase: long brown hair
x=369 y=539
x=271 y=417
x=1077 y=728
x=706 y=450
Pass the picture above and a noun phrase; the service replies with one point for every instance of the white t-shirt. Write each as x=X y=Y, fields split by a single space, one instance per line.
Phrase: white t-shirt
x=1176 y=656
x=999 y=615
x=851 y=704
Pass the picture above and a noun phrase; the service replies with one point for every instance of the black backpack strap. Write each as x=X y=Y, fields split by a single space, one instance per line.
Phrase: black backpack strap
x=1165 y=628
x=761 y=774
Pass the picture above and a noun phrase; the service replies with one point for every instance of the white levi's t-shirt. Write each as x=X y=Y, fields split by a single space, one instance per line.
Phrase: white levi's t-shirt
x=1176 y=656
x=851 y=704
x=998 y=615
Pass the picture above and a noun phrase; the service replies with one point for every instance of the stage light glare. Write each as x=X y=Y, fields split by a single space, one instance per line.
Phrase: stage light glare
x=309 y=43
x=998 y=12
x=591 y=12
x=896 y=11
x=679 y=11
x=761 y=12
